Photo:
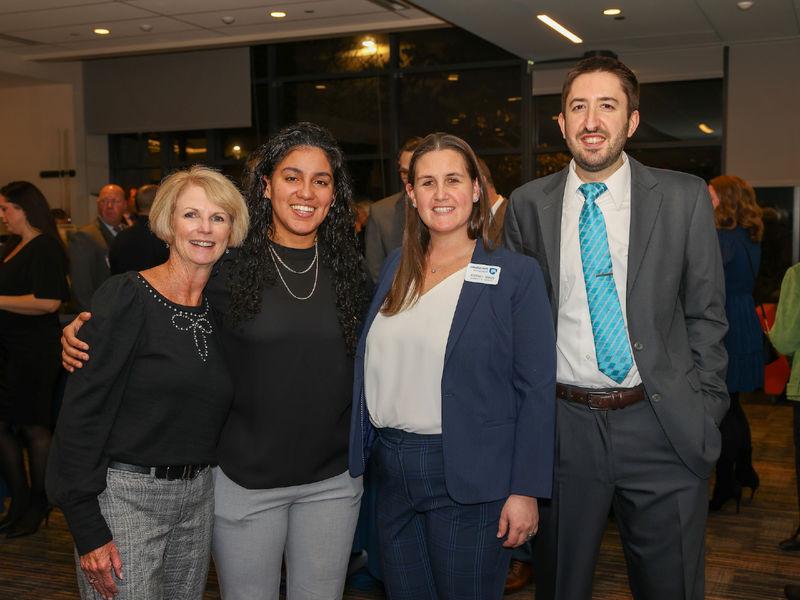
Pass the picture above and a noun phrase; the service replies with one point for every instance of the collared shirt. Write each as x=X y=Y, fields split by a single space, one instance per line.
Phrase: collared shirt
x=576 y=357
x=494 y=207
x=113 y=230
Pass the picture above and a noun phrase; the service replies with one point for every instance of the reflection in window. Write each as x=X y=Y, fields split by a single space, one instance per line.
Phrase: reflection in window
x=776 y=245
x=355 y=110
x=470 y=104
x=442 y=46
x=237 y=144
x=336 y=55
x=505 y=170
x=680 y=110
x=551 y=162
x=370 y=178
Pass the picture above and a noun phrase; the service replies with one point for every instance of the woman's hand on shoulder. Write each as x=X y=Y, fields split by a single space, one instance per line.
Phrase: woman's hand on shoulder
x=519 y=520
x=99 y=566
x=73 y=350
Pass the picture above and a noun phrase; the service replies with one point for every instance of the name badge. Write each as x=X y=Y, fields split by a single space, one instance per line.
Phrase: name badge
x=486 y=274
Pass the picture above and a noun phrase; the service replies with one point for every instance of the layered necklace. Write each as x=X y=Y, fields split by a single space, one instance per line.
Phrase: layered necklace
x=276 y=260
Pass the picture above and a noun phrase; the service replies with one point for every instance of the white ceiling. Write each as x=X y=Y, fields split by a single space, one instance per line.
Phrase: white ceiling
x=648 y=24
x=63 y=29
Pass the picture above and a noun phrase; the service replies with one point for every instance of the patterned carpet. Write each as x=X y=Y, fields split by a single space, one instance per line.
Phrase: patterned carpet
x=743 y=561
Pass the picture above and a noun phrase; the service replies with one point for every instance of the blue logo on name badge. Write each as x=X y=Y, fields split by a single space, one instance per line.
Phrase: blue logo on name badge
x=492 y=270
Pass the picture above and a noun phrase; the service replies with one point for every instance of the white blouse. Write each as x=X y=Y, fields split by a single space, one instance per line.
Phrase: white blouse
x=405 y=359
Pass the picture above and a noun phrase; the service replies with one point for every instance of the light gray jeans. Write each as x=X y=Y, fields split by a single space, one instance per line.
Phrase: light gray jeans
x=311 y=526
x=162 y=530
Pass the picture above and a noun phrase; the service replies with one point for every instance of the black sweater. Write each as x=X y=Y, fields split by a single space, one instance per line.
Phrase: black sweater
x=155 y=392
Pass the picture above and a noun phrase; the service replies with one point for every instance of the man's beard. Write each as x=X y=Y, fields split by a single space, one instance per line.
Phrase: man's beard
x=592 y=162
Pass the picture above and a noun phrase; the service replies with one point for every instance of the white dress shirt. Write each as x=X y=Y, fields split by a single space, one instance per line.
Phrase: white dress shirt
x=405 y=358
x=576 y=357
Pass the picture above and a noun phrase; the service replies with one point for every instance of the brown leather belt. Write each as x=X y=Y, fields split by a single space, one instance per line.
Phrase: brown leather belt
x=601 y=399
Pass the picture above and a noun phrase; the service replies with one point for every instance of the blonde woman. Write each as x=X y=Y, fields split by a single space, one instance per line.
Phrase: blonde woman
x=140 y=421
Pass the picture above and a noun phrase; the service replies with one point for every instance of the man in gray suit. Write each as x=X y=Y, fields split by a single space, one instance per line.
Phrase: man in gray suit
x=88 y=247
x=387 y=217
x=632 y=262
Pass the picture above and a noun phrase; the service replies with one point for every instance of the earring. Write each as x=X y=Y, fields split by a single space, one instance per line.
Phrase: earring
x=167 y=245
x=475 y=199
x=227 y=250
x=414 y=204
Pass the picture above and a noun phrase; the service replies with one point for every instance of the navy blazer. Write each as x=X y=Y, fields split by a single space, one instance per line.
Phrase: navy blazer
x=498 y=384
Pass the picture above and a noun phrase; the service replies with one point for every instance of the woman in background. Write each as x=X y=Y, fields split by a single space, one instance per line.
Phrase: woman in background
x=33 y=284
x=740 y=228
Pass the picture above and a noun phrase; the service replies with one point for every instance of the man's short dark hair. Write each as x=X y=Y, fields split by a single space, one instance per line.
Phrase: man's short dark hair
x=409 y=145
x=145 y=197
x=606 y=64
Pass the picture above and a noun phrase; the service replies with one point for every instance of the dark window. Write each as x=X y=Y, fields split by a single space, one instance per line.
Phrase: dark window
x=680 y=110
x=355 y=110
x=336 y=55
x=776 y=245
x=472 y=104
x=443 y=46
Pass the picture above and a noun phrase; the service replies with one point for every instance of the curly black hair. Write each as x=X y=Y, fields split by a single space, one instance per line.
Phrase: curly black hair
x=252 y=268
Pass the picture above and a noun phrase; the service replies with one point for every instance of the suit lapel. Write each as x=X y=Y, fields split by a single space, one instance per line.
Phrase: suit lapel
x=645 y=205
x=550 y=227
x=470 y=293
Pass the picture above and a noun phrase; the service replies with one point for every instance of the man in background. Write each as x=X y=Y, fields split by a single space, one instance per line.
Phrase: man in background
x=137 y=248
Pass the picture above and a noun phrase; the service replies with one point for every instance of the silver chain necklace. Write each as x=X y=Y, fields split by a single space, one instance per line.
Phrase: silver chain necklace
x=314 y=262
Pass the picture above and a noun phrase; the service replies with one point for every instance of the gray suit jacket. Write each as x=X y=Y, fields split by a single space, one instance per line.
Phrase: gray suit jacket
x=88 y=262
x=675 y=296
x=384 y=231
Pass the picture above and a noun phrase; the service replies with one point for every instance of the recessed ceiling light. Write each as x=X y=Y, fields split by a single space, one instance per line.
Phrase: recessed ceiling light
x=553 y=24
x=237 y=148
x=368 y=42
x=611 y=12
x=745 y=4
x=452 y=77
x=228 y=19
x=705 y=128
x=277 y=14
x=102 y=31
x=320 y=86
x=146 y=27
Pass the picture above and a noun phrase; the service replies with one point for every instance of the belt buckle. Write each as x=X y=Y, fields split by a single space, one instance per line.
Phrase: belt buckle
x=592 y=405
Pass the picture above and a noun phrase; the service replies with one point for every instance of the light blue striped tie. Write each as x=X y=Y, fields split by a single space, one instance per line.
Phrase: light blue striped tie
x=610 y=338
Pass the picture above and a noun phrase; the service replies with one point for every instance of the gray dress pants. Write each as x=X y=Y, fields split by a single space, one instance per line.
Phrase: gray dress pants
x=620 y=458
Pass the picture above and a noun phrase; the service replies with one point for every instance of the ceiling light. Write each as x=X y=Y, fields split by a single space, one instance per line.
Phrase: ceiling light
x=368 y=42
x=514 y=98
x=102 y=31
x=559 y=28
x=237 y=148
x=452 y=77
x=745 y=4
x=277 y=14
x=146 y=27
x=228 y=19
x=611 y=12
x=705 y=128
x=320 y=86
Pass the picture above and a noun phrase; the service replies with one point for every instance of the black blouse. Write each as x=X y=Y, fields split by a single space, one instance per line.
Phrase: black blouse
x=293 y=379
x=39 y=268
x=155 y=392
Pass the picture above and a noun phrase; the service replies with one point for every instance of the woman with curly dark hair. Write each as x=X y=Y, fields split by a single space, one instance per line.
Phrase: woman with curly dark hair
x=740 y=228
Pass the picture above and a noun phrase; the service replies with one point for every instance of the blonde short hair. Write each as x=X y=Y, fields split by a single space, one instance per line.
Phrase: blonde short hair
x=219 y=190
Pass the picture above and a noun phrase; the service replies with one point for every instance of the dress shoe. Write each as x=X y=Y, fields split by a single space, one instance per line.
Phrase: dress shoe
x=30 y=521
x=791 y=544
x=792 y=592
x=748 y=478
x=721 y=496
x=519 y=575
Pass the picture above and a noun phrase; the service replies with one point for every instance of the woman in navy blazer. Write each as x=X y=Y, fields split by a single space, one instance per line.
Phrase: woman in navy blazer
x=454 y=390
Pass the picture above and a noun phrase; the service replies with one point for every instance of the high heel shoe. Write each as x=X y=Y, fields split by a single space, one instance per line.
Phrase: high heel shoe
x=30 y=522
x=791 y=544
x=749 y=479
x=719 y=498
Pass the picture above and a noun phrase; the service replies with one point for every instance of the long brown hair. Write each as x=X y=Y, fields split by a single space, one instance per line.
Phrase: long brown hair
x=407 y=283
x=737 y=206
